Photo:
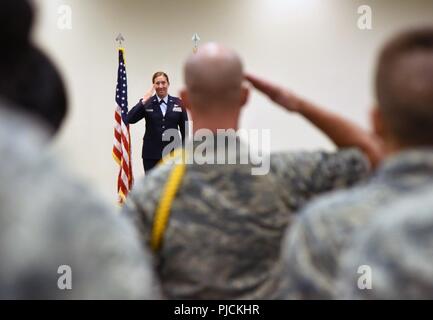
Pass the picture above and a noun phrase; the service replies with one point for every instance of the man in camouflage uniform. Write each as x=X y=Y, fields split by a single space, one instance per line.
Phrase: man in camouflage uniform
x=403 y=119
x=225 y=225
x=397 y=251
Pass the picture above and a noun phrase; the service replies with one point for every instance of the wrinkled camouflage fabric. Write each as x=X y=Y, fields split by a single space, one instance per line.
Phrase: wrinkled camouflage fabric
x=224 y=234
x=398 y=250
x=48 y=219
x=327 y=226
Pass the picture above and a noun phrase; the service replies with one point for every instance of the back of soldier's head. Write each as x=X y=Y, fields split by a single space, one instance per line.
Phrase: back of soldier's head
x=16 y=19
x=404 y=87
x=28 y=79
x=36 y=87
x=213 y=77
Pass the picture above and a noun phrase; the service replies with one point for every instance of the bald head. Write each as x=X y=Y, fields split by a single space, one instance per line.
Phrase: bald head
x=214 y=77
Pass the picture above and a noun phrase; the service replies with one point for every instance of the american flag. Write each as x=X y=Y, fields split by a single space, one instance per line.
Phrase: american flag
x=122 y=137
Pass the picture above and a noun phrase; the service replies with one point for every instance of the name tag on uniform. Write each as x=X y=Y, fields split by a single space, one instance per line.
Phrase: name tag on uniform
x=177 y=109
x=149 y=110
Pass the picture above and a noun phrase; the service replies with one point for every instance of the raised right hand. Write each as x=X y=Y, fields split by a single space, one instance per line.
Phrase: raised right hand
x=276 y=93
x=149 y=94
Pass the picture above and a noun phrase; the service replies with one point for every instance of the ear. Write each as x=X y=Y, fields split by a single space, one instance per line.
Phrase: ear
x=185 y=99
x=245 y=93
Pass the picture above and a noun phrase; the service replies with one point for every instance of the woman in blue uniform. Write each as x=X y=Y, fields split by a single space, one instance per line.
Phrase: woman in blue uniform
x=161 y=112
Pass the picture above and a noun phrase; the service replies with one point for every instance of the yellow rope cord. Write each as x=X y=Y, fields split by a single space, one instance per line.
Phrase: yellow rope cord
x=162 y=213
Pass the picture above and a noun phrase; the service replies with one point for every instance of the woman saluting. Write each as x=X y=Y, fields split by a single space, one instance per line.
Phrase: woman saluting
x=161 y=112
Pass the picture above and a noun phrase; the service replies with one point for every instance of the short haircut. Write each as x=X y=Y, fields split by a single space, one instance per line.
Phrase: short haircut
x=28 y=79
x=34 y=85
x=404 y=87
x=158 y=74
x=16 y=20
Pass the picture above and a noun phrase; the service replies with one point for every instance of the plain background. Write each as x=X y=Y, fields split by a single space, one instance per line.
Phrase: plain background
x=313 y=47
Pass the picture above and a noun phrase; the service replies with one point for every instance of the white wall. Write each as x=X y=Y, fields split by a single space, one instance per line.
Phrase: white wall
x=313 y=47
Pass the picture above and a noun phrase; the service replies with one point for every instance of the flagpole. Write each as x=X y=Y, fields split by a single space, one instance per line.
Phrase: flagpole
x=122 y=136
x=120 y=39
x=195 y=39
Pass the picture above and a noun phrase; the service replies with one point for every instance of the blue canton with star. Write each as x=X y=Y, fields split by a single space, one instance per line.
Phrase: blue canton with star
x=122 y=87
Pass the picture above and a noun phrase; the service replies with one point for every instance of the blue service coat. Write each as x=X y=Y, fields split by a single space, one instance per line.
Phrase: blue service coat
x=175 y=117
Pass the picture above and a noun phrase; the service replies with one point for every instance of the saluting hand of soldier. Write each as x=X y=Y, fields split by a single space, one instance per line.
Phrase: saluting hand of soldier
x=275 y=92
x=149 y=94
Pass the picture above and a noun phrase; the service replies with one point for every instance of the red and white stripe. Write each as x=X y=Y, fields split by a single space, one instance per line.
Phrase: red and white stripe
x=122 y=155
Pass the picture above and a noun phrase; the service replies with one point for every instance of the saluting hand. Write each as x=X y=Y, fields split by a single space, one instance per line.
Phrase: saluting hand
x=276 y=93
x=149 y=94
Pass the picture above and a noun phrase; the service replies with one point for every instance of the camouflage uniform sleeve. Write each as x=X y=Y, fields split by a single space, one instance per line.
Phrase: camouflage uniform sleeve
x=392 y=258
x=144 y=198
x=305 y=174
x=322 y=231
x=308 y=253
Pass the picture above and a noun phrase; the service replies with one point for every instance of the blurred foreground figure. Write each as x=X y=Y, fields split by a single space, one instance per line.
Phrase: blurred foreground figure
x=48 y=220
x=395 y=254
x=403 y=119
x=216 y=224
x=57 y=239
x=28 y=79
